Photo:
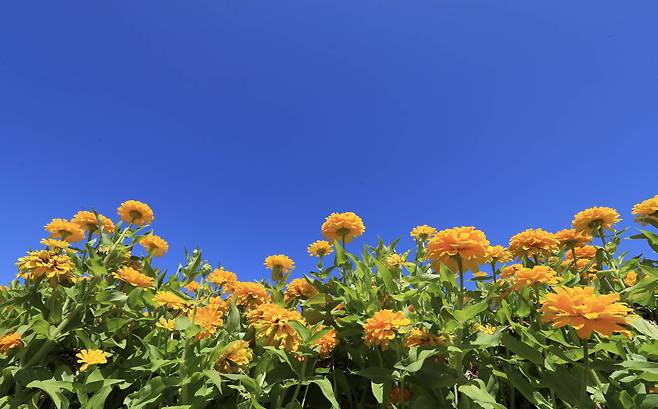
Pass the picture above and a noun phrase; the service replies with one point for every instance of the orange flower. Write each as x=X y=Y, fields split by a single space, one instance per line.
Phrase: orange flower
x=327 y=342
x=270 y=323
x=280 y=264
x=646 y=211
x=382 y=327
x=584 y=256
x=54 y=244
x=54 y=266
x=223 y=278
x=595 y=218
x=319 y=248
x=572 y=238
x=134 y=277
x=422 y=233
x=132 y=211
x=299 y=288
x=585 y=311
x=154 y=245
x=10 y=341
x=234 y=357
x=170 y=299
x=467 y=243
x=87 y=221
x=343 y=226
x=394 y=260
x=509 y=271
x=65 y=230
x=631 y=278
x=208 y=317
x=480 y=274
x=249 y=295
x=192 y=286
x=422 y=337
x=486 y=328
x=498 y=254
x=528 y=277
x=533 y=243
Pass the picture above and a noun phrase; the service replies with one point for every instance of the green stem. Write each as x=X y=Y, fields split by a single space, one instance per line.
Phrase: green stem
x=586 y=363
x=50 y=343
x=301 y=379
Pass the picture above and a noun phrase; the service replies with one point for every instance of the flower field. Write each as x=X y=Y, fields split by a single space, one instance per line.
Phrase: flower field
x=551 y=320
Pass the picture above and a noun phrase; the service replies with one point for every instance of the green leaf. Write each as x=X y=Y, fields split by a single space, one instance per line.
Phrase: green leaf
x=327 y=391
x=522 y=349
x=644 y=327
x=480 y=396
x=54 y=390
x=386 y=276
x=470 y=311
x=233 y=319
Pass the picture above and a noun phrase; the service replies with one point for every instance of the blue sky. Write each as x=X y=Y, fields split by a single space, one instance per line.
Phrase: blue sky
x=243 y=124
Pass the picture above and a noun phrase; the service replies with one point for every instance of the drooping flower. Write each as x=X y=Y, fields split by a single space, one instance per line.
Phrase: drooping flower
x=52 y=265
x=134 y=277
x=234 y=357
x=327 y=342
x=280 y=265
x=466 y=243
x=584 y=256
x=166 y=324
x=208 y=317
x=89 y=357
x=223 y=278
x=10 y=341
x=249 y=294
x=343 y=226
x=423 y=232
x=87 y=221
x=192 y=286
x=319 y=248
x=533 y=243
x=646 y=211
x=630 y=279
x=594 y=219
x=65 y=230
x=135 y=212
x=394 y=260
x=271 y=326
x=154 y=245
x=171 y=300
x=486 y=328
x=585 y=311
x=572 y=238
x=299 y=288
x=509 y=271
x=383 y=326
x=54 y=244
x=422 y=337
x=528 y=277
x=498 y=254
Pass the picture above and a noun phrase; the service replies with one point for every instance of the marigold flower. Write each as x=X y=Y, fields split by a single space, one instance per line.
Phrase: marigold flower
x=249 y=295
x=154 y=245
x=320 y=248
x=646 y=211
x=132 y=211
x=280 y=264
x=630 y=279
x=299 y=288
x=394 y=260
x=44 y=263
x=270 y=323
x=234 y=357
x=585 y=311
x=533 y=243
x=89 y=357
x=170 y=299
x=54 y=244
x=467 y=243
x=528 y=277
x=422 y=337
x=594 y=219
x=572 y=238
x=223 y=278
x=498 y=254
x=486 y=328
x=480 y=274
x=87 y=221
x=208 y=317
x=327 y=342
x=192 y=286
x=65 y=230
x=134 y=277
x=509 y=271
x=166 y=324
x=383 y=326
x=397 y=397
x=422 y=233
x=343 y=226
x=10 y=341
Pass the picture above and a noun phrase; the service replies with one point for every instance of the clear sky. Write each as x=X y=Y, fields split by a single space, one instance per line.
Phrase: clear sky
x=244 y=123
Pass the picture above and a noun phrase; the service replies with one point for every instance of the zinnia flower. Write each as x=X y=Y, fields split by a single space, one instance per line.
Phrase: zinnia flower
x=533 y=243
x=299 y=288
x=54 y=244
x=44 y=263
x=134 y=277
x=154 y=245
x=132 y=211
x=528 y=277
x=584 y=255
x=631 y=278
x=10 y=341
x=208 y=317
x=422 y=337
x=486 y=328
x=319 y=248
x=234 y=357
x=585 y=311
x=270 y=323
x=65 y=230
x=394 y=260
x=223 y=278
x=343 y=226
x=646 y=211
x=249 y=295
x=89 y=357
x=572 y=238
x=87 y=221
x=595 y=219
x=192 y=286
x=170 y=299
x=498 y=254
x=422 y=233
x=383 y=326
x=509 y=271
x=280 y=264
x=327 y=342
x=467 y=243
x=166 y=324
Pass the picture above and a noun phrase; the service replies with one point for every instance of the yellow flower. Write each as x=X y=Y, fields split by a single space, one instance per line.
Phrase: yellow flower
x=584 y=256
x=528 y=277
x=467 y=243
x=585 y=311
x=422 y=233
x=43 y=263
x=208 y=317
x=631 y=278
x=510 y=270
x=280 y=264
x=81 y=279
x=343 y=226
x=480 y=274
x=249 y=295
x=327 y=342
x=54 y=244
x=572 y=238
x=170 y=299
x=498 y=254
x=595 y=218
x=383 y=326
x=166 y=324
x=299 y=288
x=154 y=245
x=87 y=221
x=533 y=243
x=88 y=357
x=192 y=286
x=234 y=357
x=486 y=328
x=134 y=277
x=10 y=341
x=394 y=260
x=646 y=211
x=65 y=230
x=132 y=211
x=421 y=337
x=223 y=278
x=319 y=248
x=270 y=323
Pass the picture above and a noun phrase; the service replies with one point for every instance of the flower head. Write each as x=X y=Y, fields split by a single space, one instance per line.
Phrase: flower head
x=498 y=254
x=595 y=219
x=192 y=286
x=319 y=248
x=249 y=294
x=54 y=244
x=132 y=211
x=422 y=337
x=422 y=233
x=299 y=288
x=88 y=221
x=383 y=326
x=171 y=300
x=10 y=341
x=223 y=278
x=646 y=211
x=234 y=357
x=572 y=238
x=509 y=271
x=343 y=226
x=134 y=277
x=533 y=243
x=486 y=328
x=208 y=317
x=154 y=245
x=280 y=264
x=528 y=277
x=327 y=342
x=52 y=265
x=168 y=325
x=89 y=357
x=65 y=230
x=585 y=311
x=394 y=260
x=630 y=279
x=271 y=325
x=467 y=243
